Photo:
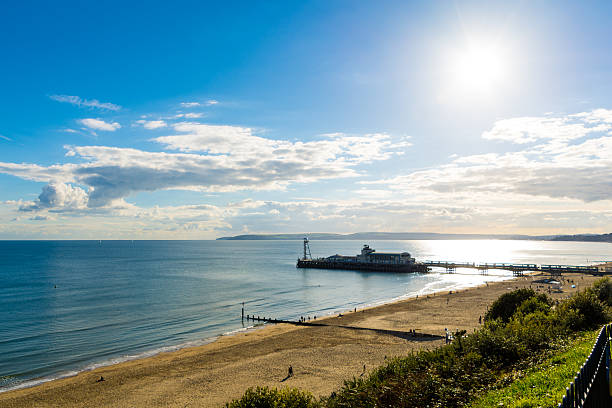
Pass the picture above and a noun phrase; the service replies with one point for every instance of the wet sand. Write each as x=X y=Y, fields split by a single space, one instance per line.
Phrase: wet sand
x=322 y=356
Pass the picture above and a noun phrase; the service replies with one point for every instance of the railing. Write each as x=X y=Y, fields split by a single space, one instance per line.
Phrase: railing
x=592 y=385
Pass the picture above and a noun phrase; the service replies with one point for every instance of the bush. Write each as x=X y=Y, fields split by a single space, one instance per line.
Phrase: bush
x=583 y=311
x=602 y=288
x=539 y=303
x=507 y=304
x=264 y=397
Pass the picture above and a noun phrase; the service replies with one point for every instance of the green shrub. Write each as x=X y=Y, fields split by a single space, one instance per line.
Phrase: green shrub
x=535 y=330
x=264 y=397
x=602 y=288
x=583 y=311
x=539 y=303
x=508 y=303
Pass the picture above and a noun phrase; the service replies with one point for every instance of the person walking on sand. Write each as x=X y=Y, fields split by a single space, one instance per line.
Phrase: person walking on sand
x=290 y=374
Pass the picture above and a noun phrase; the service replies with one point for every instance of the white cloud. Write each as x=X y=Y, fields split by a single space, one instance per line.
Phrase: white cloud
x=34 y=172
x=152 y=124
x=595 y=116
x=209 y=102
x=6 y=138
x=59 y=197
x=560 y=182
x=561 y=128
x=191 y=115
x=41 y=218
x=215 y=158
x=78 y=101
x=190 y=104
x=98 y=124
x=571 y=162
x=335 y=150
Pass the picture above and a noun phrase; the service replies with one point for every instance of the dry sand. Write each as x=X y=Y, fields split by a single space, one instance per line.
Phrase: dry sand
x=321 y=356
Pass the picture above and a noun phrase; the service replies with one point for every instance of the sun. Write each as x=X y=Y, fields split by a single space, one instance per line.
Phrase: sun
x=479 y=68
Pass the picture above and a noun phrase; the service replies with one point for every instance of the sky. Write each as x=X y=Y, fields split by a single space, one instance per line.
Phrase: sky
x=196 y=120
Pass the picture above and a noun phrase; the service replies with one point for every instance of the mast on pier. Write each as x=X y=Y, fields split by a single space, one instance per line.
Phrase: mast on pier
x=307 y=254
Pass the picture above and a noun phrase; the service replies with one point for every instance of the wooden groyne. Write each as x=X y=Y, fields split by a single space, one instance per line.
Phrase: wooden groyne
x=411 y=334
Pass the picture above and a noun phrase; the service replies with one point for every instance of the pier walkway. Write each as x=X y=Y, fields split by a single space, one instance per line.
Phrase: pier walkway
x=517 y=269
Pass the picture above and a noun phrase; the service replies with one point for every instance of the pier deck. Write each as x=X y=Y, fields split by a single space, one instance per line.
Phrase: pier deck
x=517 y=269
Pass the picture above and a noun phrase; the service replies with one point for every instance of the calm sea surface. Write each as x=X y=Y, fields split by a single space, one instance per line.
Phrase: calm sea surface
x=68 y=306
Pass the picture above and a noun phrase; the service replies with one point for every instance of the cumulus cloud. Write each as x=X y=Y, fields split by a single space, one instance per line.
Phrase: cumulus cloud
x=531 y=129
x=242 y=143
x=210 y=158
x=595 y=116
x=98 y=124
x=59 y=197
x=562 y=175
x=571 y=161
x=78 y=101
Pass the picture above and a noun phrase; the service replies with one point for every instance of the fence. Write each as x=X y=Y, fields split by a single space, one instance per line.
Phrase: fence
x=592 y=386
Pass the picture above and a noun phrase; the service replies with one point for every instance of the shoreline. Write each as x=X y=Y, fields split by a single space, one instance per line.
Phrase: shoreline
x=69 y=373
x=322 y=357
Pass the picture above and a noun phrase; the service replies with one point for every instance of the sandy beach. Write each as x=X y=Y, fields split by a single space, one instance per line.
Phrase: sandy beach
x=322 y=356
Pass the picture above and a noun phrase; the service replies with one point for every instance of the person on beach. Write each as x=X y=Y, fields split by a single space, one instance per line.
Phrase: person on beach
x=290 y=374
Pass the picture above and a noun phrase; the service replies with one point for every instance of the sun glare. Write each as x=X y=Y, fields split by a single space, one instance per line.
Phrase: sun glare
x=478 y=69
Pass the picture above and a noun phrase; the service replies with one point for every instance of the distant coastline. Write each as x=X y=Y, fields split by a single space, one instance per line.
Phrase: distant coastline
x=419 y=236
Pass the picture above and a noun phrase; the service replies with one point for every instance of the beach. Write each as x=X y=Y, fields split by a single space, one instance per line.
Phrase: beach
x=321 y=356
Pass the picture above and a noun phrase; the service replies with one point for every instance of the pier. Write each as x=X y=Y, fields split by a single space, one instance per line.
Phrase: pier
x=517 y=269
x=370 y=260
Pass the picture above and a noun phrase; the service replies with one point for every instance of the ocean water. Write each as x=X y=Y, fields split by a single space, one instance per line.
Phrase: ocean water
x=69 y=306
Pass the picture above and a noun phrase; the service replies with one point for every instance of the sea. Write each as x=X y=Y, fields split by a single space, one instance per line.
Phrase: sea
x=72 y=306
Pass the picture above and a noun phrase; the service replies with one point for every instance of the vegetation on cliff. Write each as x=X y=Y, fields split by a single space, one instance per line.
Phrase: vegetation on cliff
x=522 y=329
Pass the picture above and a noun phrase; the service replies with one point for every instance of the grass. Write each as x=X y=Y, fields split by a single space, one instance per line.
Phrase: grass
x=544 y=384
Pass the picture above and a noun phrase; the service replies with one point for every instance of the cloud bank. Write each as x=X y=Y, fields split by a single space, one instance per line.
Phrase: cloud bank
x=209 y=158
x=564 y=157
x=555 y=176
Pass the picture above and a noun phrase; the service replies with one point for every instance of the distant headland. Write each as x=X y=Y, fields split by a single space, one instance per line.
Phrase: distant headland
x=419 y=236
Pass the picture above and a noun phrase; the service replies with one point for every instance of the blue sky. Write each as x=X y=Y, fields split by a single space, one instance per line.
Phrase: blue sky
x=198 y=120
